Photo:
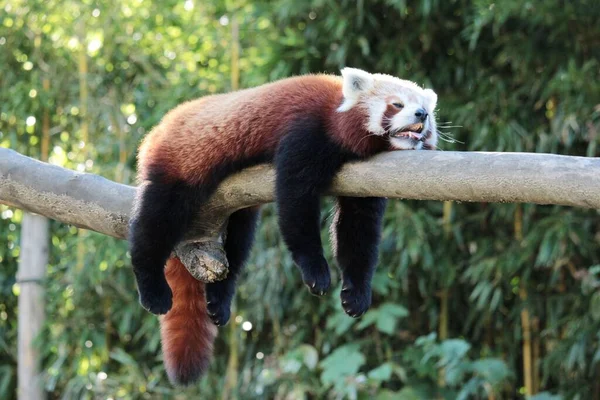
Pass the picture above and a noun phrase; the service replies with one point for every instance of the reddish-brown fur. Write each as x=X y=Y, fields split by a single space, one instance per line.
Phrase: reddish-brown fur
x=388 y=114
x=203 y=133
x=187 y=332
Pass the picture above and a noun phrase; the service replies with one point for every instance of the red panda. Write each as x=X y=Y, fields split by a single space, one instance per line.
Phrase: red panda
x=308 y=126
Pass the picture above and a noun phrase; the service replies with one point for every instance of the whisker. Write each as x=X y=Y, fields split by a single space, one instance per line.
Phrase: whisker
x=446 y=136
x=364 y=137
x=444 y=133
x=449 y=139
x=445 y=123
x=443 y=139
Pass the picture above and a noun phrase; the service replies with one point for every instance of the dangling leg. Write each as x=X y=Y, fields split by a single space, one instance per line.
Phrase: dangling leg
x=355 y=236
x=238 y=243
x=159 y=220
x=306 y=162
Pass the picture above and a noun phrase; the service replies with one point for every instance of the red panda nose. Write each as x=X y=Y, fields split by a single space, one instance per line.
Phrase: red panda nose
x=421 y=114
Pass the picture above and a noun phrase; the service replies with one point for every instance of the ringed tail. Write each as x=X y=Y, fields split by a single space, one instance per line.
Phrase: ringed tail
x=187 y=333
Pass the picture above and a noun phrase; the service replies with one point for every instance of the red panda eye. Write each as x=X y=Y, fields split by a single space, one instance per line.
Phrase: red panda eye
x=398 y=105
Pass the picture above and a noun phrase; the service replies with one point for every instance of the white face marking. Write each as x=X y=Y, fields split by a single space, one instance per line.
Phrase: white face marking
x=374 y=125
x=377 y=94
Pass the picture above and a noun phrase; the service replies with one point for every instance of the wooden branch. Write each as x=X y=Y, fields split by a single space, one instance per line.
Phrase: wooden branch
x=95 y=203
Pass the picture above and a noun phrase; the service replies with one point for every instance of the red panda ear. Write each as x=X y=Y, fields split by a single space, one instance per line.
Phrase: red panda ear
x=356 y=81
x=431 y=97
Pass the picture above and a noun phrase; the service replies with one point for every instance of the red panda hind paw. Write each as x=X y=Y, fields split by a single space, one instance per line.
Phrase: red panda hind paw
x=355 y=300
x=316 y=278
x=157 y=300
x=219 y=312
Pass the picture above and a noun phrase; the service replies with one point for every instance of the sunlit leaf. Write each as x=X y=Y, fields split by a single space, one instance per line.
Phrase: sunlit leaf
x=342 y=362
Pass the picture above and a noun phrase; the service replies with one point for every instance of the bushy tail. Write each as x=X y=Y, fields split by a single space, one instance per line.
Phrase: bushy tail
x=187 y=332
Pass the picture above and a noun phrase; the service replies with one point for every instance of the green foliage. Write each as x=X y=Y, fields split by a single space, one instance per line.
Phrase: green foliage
x=451 y=289
x=384 y=318
x=340 y=367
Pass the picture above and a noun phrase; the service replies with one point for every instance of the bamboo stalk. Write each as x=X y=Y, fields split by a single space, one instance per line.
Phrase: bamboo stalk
x=447 y=218
x=535 y=361
x=120 y=175
x=443 y=323
x=443 y=328
x=45 y=151
x=32 y=270
x=235 y=53
x=83 y=89
x=231 y=377
x=83 y=113
x=596 y=389
x=489 y=341
x=231 y=380
x=525 y=317
x=518 y=223
x=526 y=328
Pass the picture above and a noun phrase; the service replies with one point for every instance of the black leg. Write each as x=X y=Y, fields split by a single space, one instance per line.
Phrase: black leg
x=355 y=236
x=238 y=243
x=306 y=162
x=163 y=212
x=161 y=215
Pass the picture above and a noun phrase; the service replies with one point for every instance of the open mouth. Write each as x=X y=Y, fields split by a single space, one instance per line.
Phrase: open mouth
x=413 y=131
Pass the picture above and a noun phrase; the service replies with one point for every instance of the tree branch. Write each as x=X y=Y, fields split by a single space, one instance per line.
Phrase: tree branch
x=92 y=202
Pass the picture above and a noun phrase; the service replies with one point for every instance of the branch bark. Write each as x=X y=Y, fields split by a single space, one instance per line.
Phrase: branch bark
x=92 y=202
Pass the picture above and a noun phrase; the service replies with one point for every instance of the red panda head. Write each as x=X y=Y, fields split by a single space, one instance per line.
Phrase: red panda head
x=395 y=108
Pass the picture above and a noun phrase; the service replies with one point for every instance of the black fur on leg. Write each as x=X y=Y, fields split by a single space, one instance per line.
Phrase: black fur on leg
x=241 y=228
x=306 y=162
x=355 y=236
x=163 y=212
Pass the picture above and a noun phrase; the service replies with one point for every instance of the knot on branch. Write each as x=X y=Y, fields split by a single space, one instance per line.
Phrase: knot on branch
x=204 y=260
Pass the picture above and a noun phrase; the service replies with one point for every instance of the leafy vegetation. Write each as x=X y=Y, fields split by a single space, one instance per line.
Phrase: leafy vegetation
x=464 y=292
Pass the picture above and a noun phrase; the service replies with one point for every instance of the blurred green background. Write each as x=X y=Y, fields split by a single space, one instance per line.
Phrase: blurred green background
x=458 y=285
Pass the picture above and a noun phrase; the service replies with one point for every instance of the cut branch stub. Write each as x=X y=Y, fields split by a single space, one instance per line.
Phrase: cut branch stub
x=205 y=260
x=202 y=250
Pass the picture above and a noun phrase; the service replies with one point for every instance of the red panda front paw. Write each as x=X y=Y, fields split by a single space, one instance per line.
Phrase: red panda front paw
x=156 y=298
x=356 y=300
x=315 y=274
